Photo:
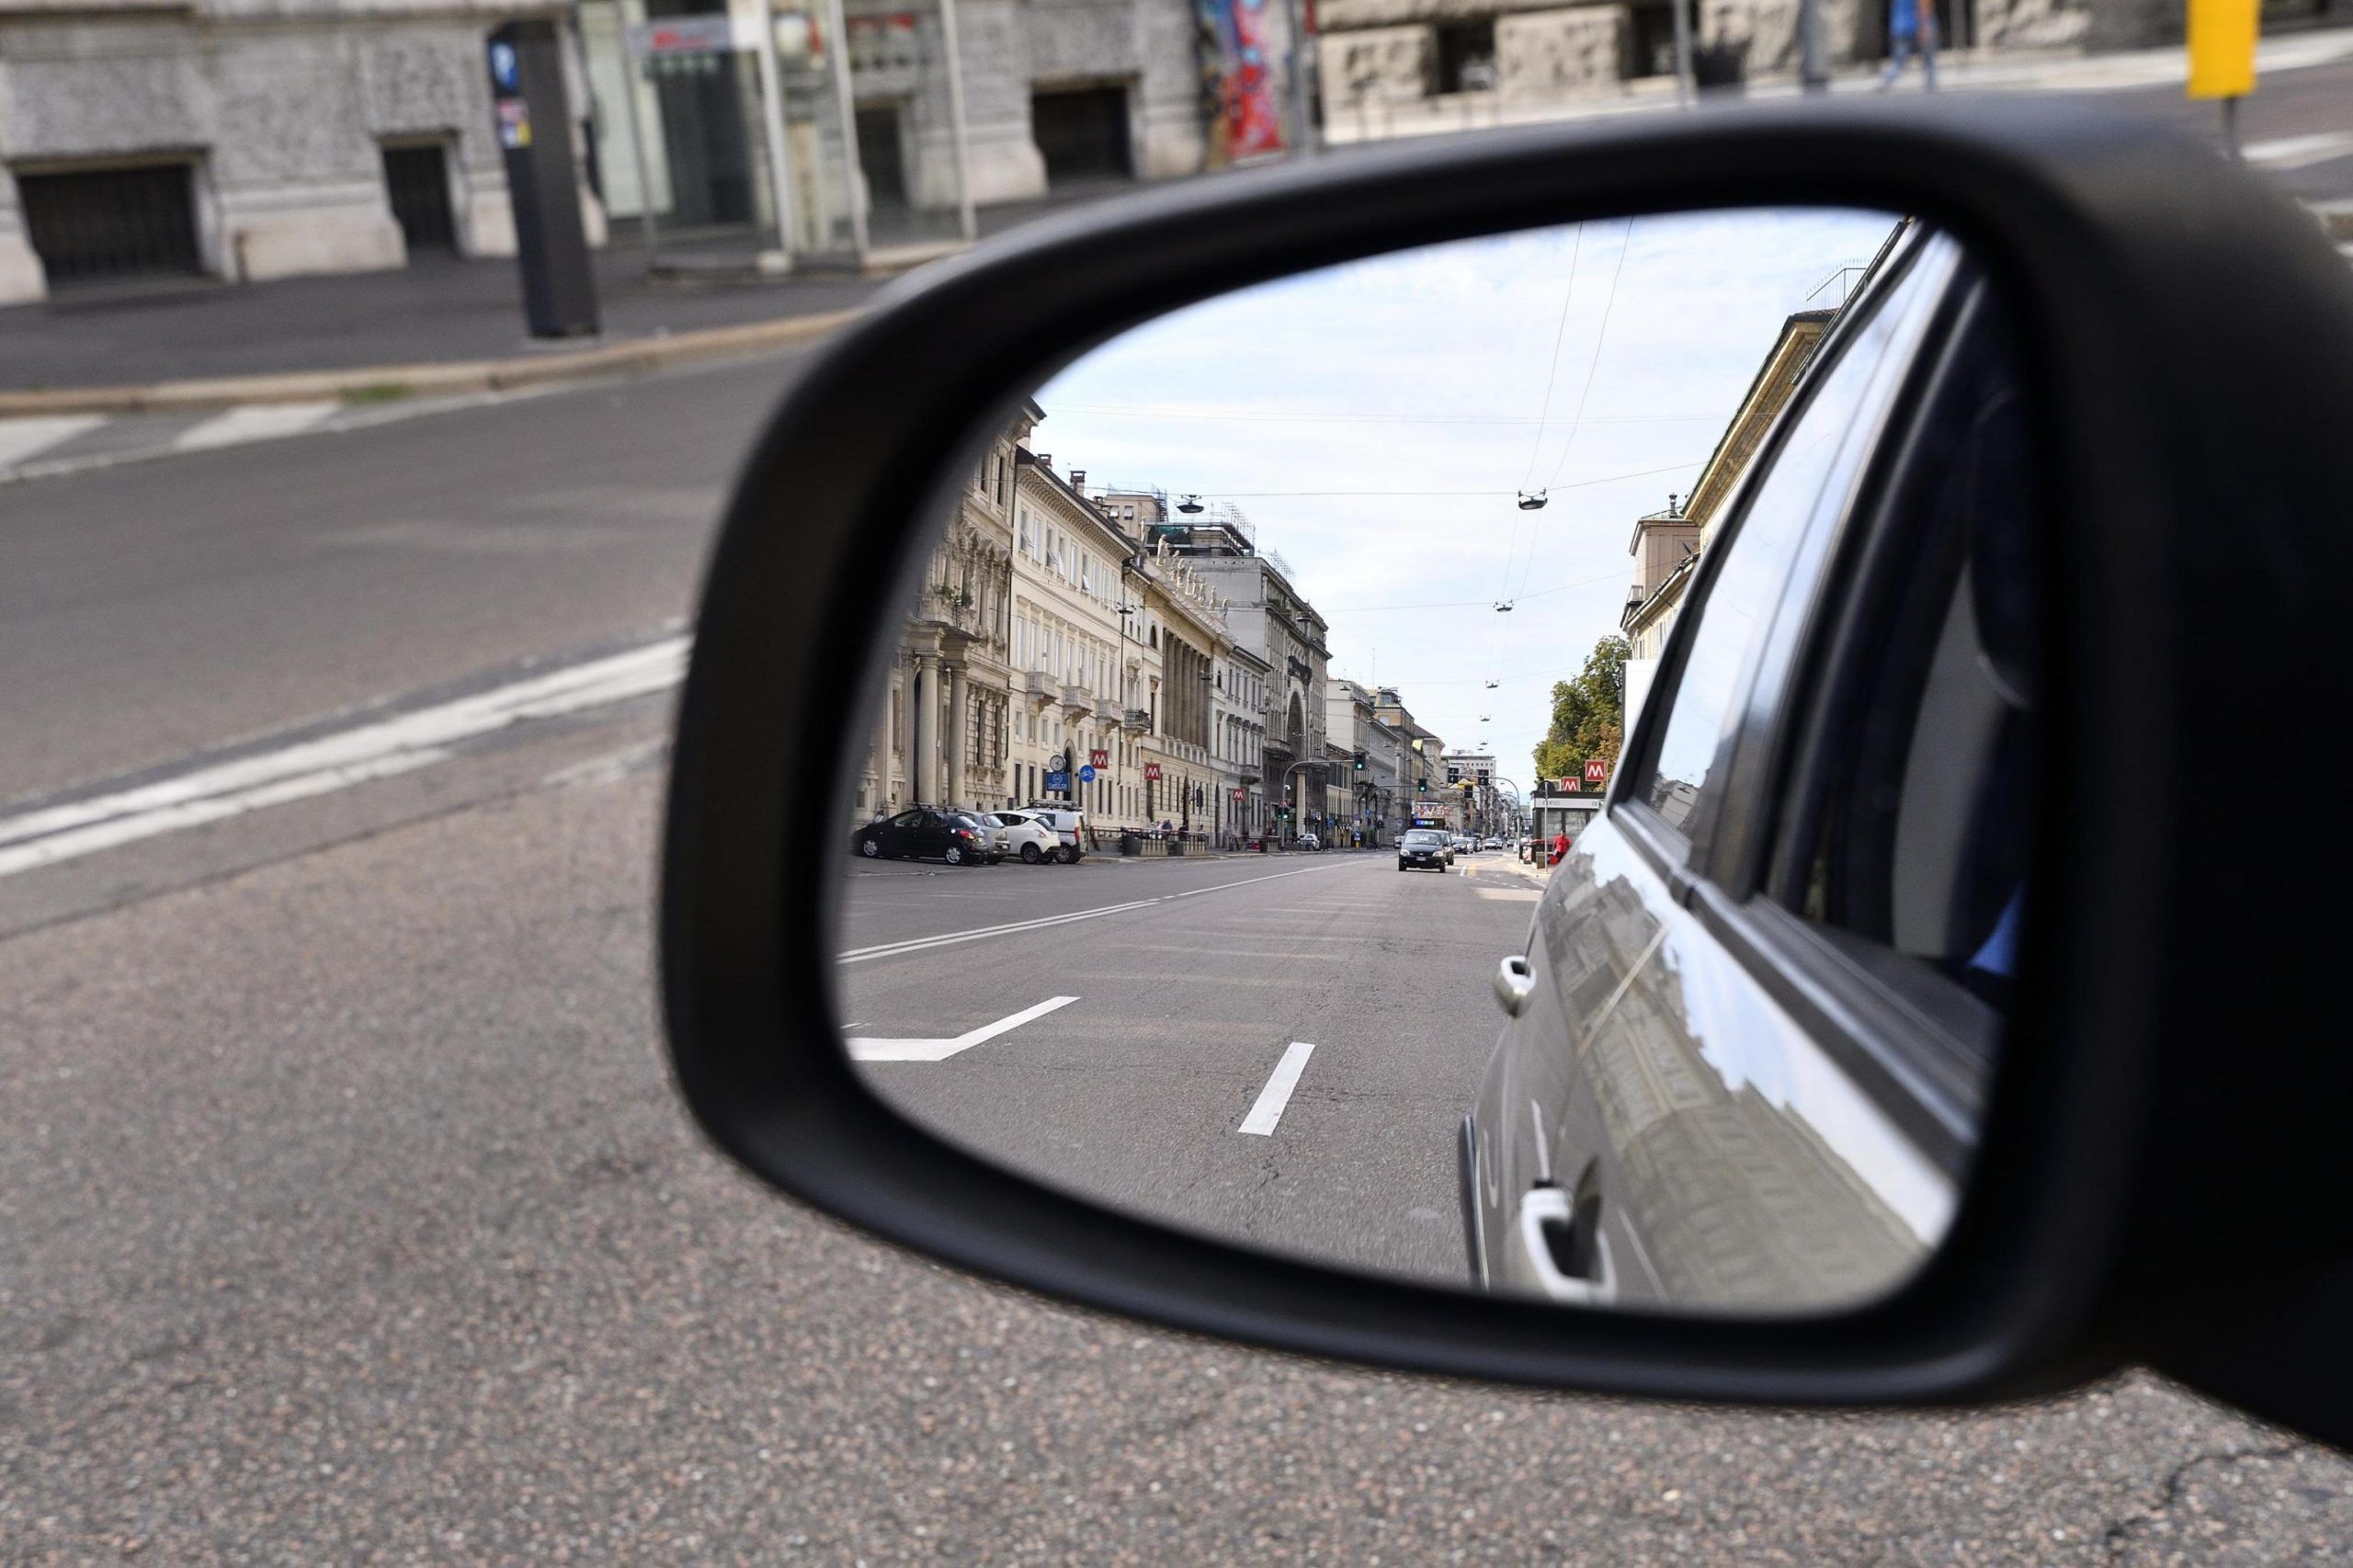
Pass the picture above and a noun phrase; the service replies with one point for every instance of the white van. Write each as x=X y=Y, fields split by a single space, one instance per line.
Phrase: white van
x=1069 y=825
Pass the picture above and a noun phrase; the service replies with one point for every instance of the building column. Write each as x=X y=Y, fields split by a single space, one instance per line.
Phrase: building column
x=883 y=739
x=960 y=739
x=924 y=688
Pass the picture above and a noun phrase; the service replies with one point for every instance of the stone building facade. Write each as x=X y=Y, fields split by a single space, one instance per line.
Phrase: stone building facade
x=1269 y=616
x=242 y=141
x=1069 y=664
x=1398 y=52
x=943 y=735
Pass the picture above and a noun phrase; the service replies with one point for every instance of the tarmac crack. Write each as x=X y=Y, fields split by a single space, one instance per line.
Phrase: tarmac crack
x=2122 y=1533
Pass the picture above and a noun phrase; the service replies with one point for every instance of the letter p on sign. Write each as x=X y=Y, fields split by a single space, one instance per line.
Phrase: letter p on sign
x=2222 y=47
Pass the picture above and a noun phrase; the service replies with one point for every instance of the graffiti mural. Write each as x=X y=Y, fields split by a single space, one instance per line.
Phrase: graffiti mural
x=1237 y=80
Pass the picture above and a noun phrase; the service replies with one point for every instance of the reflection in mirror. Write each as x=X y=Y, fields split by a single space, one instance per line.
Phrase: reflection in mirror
x=1240 y=841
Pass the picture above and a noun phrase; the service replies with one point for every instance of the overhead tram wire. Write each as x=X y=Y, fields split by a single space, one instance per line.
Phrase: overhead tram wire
x=1600 y=337
x=1552 y=368
x=1474 y=603
x=1308 y=417
x=1523 y=501
x=1578 y=484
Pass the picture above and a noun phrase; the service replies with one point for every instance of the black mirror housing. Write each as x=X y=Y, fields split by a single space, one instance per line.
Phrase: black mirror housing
x=2157 y=1169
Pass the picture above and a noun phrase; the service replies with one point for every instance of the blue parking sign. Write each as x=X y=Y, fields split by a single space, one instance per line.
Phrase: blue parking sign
x=1057 y=781
x=1087 y=774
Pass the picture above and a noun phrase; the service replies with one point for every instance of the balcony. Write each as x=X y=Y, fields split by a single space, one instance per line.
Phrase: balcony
x=1108 y=712
x=1036 y=682
x=1136 y=720
x=950 y=606
x=1076 y=698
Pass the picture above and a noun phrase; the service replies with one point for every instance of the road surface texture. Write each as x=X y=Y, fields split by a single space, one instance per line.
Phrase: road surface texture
x=349 y=1214
x=1180 y=991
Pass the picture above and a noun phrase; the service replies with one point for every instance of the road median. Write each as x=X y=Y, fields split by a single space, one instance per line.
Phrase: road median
x=385 y=384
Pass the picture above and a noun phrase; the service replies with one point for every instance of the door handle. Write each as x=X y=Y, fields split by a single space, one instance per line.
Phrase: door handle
x=1547 y=1230
x=1514 y=980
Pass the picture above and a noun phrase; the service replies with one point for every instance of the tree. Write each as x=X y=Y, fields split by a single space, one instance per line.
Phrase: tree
x=1588 y=714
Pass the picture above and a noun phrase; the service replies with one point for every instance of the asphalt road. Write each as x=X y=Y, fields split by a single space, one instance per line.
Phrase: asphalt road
x=1188 y=984
x=348 y=1213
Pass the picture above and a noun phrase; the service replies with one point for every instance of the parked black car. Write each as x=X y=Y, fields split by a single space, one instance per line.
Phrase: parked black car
x=923 y=834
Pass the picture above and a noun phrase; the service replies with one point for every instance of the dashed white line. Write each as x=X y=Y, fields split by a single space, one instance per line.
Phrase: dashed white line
x=868 y=1049
x=1269 y=1112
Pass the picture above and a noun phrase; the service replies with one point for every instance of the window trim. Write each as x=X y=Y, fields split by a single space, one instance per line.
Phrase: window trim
x=1919 y=1067
x=1788 y=652
x=1860 y=577
x=1627 y=802
x=1918 y=1044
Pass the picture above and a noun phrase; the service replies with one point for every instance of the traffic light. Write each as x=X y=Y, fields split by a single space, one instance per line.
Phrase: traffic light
x=1360 y=762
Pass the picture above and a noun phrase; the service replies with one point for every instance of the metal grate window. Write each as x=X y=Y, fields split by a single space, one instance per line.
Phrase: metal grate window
x=93 y=223
x=419 y=179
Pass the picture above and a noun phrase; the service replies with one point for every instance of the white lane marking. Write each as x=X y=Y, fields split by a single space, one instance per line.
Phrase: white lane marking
x=253 y=422
x=23 y=439
x=941 y=1049
x=2301 y=152
x=192 y=813
x=1012 y=929
x=50 y=833
x=1264 y=1115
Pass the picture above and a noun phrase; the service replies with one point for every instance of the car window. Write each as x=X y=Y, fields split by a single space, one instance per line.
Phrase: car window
x=1914 y=838
x=905 y=819
x=1815 y=454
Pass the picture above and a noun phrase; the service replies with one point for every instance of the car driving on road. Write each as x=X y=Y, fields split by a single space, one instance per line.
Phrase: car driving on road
x=1423 y=849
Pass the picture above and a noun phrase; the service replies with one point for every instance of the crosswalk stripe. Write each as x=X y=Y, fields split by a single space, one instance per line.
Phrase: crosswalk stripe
x=255 y=422
x=23 y=440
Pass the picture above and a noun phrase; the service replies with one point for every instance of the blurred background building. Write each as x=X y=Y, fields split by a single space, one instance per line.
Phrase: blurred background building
x=240 y=140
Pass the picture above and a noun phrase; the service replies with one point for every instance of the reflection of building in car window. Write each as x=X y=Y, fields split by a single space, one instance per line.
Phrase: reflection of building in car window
x=1922 y=836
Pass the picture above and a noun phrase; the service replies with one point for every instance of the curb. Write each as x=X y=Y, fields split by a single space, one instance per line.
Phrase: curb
x=391 y=382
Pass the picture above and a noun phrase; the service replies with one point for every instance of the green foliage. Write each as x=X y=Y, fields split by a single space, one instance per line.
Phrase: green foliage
x=1588 y=714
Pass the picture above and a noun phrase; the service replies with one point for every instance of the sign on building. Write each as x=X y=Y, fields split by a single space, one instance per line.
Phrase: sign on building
x=710 y=34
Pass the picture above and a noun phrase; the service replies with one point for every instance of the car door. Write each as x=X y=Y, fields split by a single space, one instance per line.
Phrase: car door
x=1654 y=1127
x=901 y=835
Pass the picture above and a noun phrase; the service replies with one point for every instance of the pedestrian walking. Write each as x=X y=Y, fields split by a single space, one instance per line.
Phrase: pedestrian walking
x=1559 y=848
x=1911 y=28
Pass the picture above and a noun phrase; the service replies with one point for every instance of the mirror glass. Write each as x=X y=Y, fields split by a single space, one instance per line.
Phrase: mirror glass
x=1504 y=764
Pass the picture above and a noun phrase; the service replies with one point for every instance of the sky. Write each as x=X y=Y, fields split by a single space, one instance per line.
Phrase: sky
x=1375 y=421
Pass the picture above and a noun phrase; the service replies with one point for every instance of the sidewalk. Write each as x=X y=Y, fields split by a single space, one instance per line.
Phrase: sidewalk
x=1960 y=71
x=437 y=327
x=442 y=328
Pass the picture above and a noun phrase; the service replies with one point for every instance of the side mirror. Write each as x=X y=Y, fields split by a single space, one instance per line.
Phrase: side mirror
x=1905 y=1026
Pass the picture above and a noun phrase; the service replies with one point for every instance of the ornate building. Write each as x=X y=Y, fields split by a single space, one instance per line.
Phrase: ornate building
x=1185 y=623
x=1068 y=636
x=943 y=737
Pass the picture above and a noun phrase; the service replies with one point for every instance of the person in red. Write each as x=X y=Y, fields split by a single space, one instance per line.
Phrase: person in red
x=1560 y=847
